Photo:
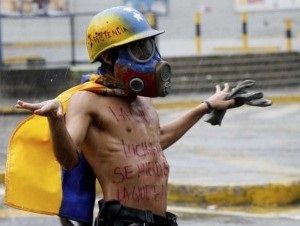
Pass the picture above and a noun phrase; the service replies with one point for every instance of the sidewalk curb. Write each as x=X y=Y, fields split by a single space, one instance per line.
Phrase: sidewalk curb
x=268 y=195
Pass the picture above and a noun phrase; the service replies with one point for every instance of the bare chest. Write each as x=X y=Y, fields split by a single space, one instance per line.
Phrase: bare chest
x=135 y=120
x=123 y=148
x=124 y=133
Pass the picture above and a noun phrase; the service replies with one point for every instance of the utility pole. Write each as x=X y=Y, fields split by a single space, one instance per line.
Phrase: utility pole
x=72 y=30
x=198 y=17
x=288 y=28
x=1 y=58
x=244 y=19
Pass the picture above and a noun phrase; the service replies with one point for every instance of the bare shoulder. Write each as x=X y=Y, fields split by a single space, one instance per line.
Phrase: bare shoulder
x=83 y=101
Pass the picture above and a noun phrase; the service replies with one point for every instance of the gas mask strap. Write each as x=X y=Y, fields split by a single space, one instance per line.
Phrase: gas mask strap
x=157 y=51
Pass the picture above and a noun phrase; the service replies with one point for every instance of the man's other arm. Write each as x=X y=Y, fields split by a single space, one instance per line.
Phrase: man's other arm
x=67 y=132
x=173 y=131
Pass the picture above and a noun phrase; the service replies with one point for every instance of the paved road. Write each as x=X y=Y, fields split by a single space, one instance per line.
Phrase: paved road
x=205 y=220
x=188 y=216
x=253 y=146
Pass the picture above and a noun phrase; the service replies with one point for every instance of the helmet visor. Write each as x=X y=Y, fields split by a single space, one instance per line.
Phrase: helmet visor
x=142 y=50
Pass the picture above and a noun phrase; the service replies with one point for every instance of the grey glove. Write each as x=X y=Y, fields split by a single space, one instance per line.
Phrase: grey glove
x=260 y=102
x=240 y=87
x=216 y=116
x=245 y=97
x=241 y=97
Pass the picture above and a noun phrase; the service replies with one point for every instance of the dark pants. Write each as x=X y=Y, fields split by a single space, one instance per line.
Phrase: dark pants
x=112 y=213
x=66 y=222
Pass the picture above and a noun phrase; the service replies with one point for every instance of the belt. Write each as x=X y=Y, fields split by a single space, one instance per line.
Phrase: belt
x=113 y=210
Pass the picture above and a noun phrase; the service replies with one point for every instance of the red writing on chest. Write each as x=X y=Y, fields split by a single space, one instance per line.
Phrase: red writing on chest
x=140 y=149
x=150 y=169
x=155 y=169
x=122 y=115
x=142 y=193
x=123 y=173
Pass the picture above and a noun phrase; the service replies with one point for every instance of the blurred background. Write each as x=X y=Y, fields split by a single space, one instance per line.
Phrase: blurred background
x=251 y=162
x=50 y=29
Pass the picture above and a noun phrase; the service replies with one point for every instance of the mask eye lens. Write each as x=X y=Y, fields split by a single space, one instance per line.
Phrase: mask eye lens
x=142 y=51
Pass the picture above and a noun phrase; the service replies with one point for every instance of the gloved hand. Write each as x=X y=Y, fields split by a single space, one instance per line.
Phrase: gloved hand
x=245 y=97
x=216 y=116
x=260 y=102
x=240 y=87
x=241 y=97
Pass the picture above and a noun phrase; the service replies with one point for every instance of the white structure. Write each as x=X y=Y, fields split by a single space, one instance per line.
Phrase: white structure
x=221 y=26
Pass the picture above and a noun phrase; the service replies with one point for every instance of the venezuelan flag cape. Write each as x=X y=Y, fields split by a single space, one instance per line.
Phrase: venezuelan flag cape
x=34 y=180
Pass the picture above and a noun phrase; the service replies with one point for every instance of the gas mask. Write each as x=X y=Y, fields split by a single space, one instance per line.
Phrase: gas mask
x=141 y=70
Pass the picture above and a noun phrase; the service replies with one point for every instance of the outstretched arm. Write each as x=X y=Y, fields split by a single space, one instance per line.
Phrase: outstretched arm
x=67 y=132
x=173 y=131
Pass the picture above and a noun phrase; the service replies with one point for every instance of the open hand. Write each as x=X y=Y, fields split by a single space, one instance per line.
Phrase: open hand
x=239 y=96
x=219 y=100
x=49 y=108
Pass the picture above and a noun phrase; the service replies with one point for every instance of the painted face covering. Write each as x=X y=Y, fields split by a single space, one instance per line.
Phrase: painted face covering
x=141 y=69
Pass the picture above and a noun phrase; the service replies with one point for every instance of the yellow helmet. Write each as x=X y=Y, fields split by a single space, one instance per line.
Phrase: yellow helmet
x=115 y=27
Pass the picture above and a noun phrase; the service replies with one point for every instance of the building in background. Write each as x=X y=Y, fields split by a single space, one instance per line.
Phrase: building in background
x=33 y=7
x=266 y=5
x=49 y=37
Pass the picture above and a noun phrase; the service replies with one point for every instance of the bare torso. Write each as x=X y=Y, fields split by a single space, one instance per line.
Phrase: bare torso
x=122 y=145
x=122 y=141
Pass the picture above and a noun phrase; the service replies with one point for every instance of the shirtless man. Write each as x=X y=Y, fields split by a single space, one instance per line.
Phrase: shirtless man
x=120 y=136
